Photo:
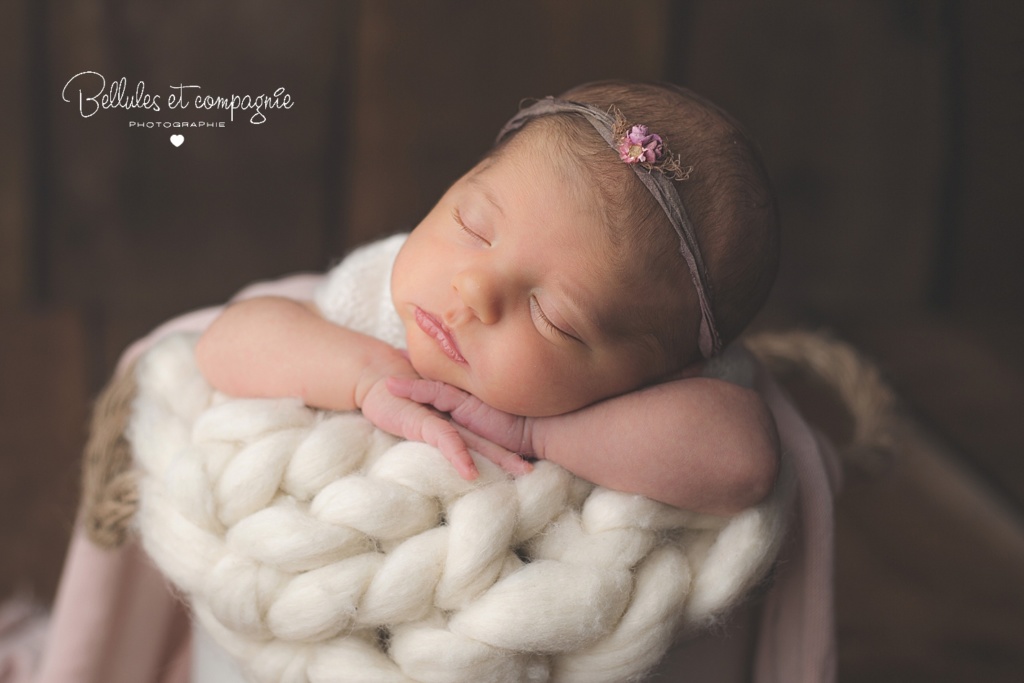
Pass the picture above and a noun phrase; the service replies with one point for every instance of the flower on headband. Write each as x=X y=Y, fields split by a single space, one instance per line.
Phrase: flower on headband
x=637 y=145
x=640 y=146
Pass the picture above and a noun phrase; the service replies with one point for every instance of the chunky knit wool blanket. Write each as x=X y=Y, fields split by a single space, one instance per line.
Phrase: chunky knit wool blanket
x=312 y=546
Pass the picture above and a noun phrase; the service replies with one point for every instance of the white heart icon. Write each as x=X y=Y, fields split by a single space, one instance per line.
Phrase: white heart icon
x=176 y=140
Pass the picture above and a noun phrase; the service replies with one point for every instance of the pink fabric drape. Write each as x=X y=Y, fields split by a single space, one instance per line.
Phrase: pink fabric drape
x=116 y=620
x=797 y=639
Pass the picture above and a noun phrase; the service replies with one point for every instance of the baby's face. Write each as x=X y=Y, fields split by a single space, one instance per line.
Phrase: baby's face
x=506 y=291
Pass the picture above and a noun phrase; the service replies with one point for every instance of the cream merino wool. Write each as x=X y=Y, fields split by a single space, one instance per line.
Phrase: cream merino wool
x=314 y=547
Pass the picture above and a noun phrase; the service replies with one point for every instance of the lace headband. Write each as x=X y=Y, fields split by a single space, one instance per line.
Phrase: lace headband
x=658 y=182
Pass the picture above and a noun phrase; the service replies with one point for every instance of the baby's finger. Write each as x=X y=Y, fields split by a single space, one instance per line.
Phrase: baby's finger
x=444 y=397
x=502 y=457
x=452 y=446
x=400 y=386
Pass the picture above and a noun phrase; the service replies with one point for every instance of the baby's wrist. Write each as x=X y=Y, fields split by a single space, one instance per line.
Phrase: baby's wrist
x=383 y=363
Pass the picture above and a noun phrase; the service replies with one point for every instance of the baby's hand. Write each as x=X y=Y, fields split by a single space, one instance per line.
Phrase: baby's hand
x=412 y=420
x=500 y=429
x=417 y=422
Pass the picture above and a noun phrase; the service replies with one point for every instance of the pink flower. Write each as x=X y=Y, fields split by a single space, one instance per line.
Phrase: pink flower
x=639 y=146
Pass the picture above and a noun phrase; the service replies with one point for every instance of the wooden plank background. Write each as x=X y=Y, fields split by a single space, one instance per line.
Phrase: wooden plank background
x=891 y=129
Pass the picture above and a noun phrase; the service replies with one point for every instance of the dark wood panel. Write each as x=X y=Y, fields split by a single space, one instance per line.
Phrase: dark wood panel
x=848 y=102
x=989 y=239
x=43 y=404
x=15 y=167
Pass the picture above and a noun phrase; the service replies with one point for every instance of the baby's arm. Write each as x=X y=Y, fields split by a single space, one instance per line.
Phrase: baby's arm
x=701 y=444
x=275 y=347
x=271 y=347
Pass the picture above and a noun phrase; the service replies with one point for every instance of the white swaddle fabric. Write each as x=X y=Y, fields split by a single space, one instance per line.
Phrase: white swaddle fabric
x=313 y=547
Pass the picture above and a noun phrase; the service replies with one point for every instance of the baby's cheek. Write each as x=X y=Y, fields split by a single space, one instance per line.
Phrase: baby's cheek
x=419 y=355
x=534 y=397
x=511 y=393
x=526 y=380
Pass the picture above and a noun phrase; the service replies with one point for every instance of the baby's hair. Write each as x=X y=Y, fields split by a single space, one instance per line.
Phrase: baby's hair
x=727 y=195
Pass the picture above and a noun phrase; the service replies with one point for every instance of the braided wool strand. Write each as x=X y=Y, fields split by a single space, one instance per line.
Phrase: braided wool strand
x=314 y=547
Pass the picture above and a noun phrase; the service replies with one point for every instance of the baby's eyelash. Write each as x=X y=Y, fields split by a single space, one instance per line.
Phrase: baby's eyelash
x=457 y=217
x=539 y=312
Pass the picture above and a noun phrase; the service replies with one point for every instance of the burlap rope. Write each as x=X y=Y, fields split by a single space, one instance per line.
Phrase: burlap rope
x=109 y=491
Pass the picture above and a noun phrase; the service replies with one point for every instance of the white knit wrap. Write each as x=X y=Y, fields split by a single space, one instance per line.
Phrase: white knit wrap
x=314 y=547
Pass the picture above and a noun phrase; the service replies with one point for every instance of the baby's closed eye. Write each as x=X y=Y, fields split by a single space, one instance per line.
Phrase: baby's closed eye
x=460 y=221
x=537 y=312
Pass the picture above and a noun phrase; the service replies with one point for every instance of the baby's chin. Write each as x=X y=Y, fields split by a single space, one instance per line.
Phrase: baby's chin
x=537 y=403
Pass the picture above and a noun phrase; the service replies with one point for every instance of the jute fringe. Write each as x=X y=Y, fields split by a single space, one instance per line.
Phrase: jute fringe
x=109 y=492
x=856 y=383
x=110 y=497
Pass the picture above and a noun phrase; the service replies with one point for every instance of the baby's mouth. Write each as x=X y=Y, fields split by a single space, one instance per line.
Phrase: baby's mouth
x=435 y=329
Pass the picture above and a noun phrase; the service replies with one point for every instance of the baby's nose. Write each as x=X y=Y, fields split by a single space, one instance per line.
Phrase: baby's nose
x=480 y=292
